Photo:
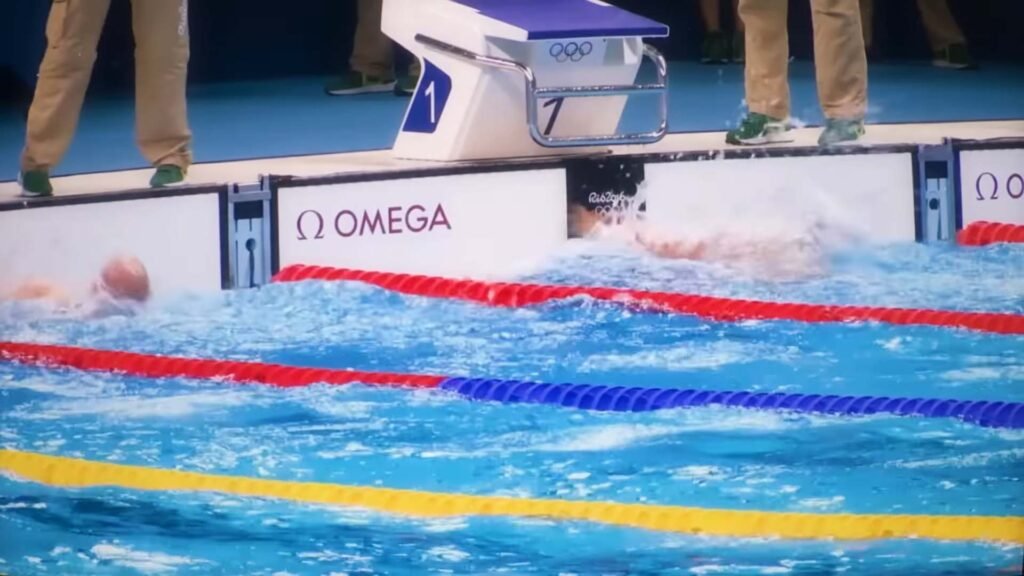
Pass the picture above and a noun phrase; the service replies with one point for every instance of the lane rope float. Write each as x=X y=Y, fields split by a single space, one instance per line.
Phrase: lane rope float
x=984 y=233
x=76 y=473
x=160 y=366
x=989 y=414
x=712 y=307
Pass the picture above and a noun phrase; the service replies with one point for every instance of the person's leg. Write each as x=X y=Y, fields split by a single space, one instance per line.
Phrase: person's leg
x=407 y=85
x=767 y=72
x=715 y=49
x=711 y=15
x=867 y=20
x=841 y=68
x=372 y=61
x=415 y=69
x=740 y=26
x=948 y=44
x=72 y=32
x=739 y=47
x=161 y=71
x=372 y=51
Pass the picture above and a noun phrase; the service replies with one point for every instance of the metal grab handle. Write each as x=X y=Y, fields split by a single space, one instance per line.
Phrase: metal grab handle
x=533 y=93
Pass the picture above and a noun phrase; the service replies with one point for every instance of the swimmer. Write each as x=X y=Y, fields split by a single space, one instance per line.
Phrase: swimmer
x=776 y=259
x=123 y=284
x=123 y=278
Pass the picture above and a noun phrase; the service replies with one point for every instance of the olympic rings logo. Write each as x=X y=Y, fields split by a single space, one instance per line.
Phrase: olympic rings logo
x=570 y=51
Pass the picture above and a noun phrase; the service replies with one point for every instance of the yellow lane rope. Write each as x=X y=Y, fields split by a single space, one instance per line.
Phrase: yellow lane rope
x=67 y=472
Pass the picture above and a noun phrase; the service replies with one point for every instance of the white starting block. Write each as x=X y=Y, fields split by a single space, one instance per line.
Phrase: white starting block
x=573 y=62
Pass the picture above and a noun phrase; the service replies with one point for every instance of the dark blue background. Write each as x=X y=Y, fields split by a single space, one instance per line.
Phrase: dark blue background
x=258 y=39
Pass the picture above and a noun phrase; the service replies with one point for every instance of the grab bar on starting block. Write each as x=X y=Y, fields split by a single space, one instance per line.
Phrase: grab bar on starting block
x=533 y=93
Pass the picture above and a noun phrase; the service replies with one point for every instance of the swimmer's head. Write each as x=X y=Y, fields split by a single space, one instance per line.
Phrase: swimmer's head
x=124 y=278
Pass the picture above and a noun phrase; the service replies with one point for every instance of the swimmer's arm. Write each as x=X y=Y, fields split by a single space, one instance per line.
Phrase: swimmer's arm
x=583 y=222
x=675 y=250
x=39 y=290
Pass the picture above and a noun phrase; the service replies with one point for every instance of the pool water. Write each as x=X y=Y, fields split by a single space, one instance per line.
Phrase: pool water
x=430 y=440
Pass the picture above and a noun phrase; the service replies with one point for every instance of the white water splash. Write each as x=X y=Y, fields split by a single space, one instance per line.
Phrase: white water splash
x=23 y=505
x=975 y=373
x=833 y=503
x=145 y=562
x=447 y=554
x=443 y=525
x=611 y=437
x=965 y=461
x=738 y=569
x=691 y=356
x=138 y=407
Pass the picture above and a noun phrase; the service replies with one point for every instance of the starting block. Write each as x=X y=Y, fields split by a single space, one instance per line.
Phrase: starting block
x=520 y=78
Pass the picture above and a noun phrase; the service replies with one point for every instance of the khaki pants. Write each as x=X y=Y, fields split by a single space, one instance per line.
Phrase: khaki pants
x=161 y=65
x=373 y=51
x=939 y=23
x=710 y=12
x=840 y=61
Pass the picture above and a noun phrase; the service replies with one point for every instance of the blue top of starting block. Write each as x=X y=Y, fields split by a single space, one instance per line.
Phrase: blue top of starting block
x=562 y=19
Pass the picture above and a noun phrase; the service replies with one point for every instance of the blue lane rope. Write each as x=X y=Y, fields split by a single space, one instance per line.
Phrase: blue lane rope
x=582 y=396
x=623 y=399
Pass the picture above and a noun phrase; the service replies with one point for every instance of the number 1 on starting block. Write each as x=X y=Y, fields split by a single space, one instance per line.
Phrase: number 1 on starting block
x=493 y=68
x=429 y=101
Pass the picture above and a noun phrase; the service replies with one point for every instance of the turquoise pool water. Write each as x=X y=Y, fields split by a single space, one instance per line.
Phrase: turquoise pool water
x=431 y=440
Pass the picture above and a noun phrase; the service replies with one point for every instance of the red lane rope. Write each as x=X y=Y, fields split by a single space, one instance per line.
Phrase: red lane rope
x=157 y=366
x=727 y=309
x=984 y=233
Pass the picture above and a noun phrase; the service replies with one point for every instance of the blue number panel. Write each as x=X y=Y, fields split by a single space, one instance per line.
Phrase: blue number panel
x=429 y=102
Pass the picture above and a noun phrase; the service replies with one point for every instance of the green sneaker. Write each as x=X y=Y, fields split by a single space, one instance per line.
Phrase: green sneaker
x=406 y=86
x=715 y=49
x=758 y=129
x=359 y=83
x=841 y=132
x=35 y=183
x=739 y=48
x=954 y=56
x=167 y=175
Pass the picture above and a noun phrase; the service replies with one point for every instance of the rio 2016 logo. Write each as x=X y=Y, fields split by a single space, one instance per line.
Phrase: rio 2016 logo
x=394 y=220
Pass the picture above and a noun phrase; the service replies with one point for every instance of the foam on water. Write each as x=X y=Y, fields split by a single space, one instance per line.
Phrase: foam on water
x=738 y=569
x=690 y=356
x=447 y=554
x=129 y=407
x=144 y=562
x=22 y=505
x=970 y=461
x=822 y=504
x=1004 y=373
x=601 y=438
x=81 y=386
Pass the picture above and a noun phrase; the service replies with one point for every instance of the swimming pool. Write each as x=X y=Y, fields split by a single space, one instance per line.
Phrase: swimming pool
x=429 y=440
